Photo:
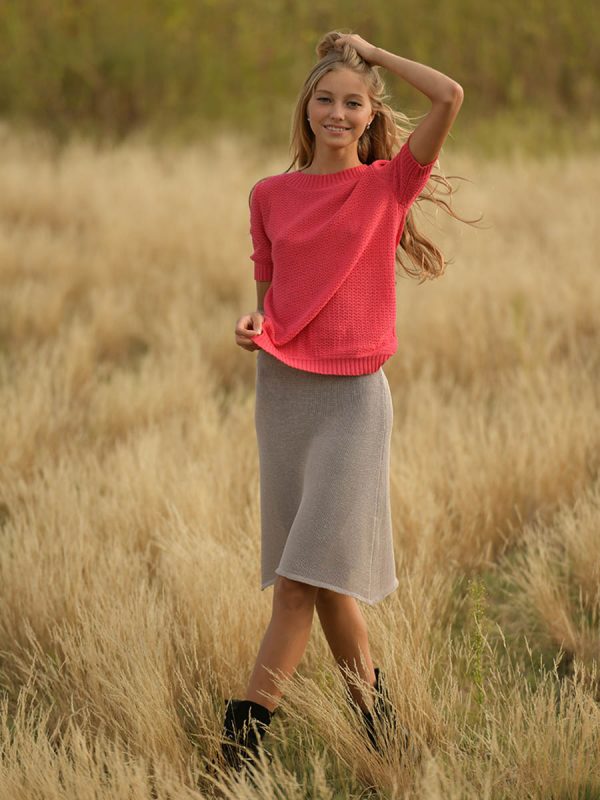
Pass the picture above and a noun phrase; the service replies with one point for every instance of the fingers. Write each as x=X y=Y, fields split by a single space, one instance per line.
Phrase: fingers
x=246 y=328
x=362 y=47
x=249 y=325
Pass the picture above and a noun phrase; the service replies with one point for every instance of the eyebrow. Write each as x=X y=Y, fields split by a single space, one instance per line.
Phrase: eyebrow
x=352 y=94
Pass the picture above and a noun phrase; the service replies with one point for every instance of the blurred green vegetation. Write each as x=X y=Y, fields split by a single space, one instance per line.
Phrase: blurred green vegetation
x=179 y=68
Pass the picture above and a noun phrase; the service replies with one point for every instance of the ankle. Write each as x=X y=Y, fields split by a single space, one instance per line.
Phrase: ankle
x=254 y=697
x=364 y=700
x=358 y=696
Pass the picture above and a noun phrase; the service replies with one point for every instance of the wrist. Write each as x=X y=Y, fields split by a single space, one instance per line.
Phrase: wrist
x=376 y=56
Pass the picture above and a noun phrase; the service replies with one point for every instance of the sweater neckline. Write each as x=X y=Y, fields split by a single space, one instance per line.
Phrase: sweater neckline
x=298 y=178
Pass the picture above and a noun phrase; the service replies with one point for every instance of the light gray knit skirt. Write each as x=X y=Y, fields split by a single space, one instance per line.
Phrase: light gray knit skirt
x=324 y=455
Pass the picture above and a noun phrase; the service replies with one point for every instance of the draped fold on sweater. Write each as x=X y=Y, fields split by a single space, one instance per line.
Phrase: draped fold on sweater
x=327 y=243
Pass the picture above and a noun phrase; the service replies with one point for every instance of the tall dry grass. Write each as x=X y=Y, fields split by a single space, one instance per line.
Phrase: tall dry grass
x=129 y=518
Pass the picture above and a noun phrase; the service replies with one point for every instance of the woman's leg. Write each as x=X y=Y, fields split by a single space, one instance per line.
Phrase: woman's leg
x=285 y=639
x=346 y=631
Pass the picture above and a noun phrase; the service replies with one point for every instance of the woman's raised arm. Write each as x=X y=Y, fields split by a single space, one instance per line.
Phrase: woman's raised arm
x=446 y=95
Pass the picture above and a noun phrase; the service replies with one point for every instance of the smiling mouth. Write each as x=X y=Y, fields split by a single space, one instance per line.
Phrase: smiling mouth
x=335 y=128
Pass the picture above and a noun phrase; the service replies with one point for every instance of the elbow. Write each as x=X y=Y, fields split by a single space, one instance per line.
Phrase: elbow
x=457 y=94
x=453 y=96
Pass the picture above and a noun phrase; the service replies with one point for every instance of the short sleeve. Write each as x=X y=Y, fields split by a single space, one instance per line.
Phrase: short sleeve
x=406 y=175
x=263 y=266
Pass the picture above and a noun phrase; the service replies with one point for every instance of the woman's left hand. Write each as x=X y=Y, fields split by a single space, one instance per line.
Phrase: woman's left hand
x=362 y=47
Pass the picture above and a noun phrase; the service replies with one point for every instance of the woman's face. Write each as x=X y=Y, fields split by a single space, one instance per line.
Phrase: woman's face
x=340 y=100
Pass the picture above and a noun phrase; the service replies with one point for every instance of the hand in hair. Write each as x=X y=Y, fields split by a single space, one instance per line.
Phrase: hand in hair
x=363 y=48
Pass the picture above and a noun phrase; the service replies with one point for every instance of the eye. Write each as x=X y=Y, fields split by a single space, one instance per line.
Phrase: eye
x=352 y=102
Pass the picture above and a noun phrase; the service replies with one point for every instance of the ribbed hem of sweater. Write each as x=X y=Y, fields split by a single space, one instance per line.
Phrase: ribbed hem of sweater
x=351 y=365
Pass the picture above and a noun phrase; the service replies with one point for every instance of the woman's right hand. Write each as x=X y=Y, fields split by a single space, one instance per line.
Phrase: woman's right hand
x=246 y=328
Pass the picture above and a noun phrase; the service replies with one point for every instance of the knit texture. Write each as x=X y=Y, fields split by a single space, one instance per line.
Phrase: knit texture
x=324 y=445
x=327 y=243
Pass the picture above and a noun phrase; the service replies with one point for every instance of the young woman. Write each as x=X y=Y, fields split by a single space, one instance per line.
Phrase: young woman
x=325 y=241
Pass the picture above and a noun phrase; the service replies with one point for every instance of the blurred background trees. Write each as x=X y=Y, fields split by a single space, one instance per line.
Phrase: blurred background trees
x=184 y=69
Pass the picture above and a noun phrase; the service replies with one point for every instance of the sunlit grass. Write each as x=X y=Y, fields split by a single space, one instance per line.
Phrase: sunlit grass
x=130 y=604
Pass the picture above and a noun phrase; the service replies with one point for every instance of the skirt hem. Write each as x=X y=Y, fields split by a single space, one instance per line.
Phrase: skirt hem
x=324 y=585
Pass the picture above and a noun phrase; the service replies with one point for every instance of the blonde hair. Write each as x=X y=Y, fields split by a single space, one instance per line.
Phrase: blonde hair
x=388 y=130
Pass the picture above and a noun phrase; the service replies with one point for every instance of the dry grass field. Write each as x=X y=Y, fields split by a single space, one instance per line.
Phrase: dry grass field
x=130 y=604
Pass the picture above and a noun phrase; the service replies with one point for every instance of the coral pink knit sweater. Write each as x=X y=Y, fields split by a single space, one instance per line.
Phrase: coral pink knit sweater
x=327 y=243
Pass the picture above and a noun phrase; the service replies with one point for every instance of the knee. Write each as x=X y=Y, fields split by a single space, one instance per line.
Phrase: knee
x=327 y=598
x=291 y=595
x=328 y=601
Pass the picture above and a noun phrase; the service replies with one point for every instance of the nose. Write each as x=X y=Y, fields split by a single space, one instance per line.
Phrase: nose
x=336 y=118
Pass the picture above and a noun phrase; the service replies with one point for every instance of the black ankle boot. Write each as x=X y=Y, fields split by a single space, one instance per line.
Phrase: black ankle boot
x=245 y=725
x=383 y=709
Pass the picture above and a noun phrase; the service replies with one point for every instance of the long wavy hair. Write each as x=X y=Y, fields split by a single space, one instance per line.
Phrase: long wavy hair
x=386 y=134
